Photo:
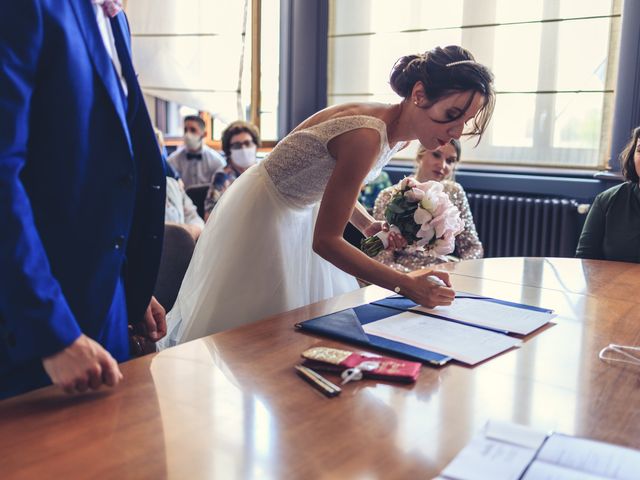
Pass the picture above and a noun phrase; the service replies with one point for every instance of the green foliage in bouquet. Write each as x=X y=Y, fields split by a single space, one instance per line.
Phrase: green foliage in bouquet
x=399 y=212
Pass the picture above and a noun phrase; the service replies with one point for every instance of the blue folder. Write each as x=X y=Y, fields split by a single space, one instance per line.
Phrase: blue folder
x=347 y=325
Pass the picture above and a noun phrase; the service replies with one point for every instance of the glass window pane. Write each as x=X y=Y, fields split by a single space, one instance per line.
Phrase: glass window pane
x=510 y=11
x=578 y=120
x=269 y=69
x=515 y=63
x=531 y=60
x=512 y=123
x=582 y=53
x=362 y=16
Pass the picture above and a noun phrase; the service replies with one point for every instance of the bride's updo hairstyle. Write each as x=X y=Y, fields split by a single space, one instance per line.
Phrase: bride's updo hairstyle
x=445 y=71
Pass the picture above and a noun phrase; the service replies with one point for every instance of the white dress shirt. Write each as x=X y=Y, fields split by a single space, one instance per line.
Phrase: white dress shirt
x=109 y=43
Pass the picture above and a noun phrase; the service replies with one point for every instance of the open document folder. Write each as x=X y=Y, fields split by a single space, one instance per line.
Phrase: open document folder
x=485 y=312
x=387 y=324
x=506 y=451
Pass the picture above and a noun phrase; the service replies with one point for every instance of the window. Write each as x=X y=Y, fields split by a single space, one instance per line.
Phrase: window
x=553 y=60
x=197 y=56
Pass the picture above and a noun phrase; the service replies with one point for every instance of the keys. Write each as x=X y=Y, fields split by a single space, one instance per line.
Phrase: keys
x=351 y=374
x=356 y=373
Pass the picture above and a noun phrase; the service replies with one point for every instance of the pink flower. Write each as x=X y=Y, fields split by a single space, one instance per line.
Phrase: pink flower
x=425 y=234
x=445 y=245
x=407 y=182
x=414 y=194
x=422 y=216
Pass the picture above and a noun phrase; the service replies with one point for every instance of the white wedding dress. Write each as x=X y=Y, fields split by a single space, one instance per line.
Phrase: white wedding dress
x=254 y=257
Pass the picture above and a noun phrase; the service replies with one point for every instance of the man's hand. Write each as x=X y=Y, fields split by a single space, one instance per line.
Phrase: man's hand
x=82 y=365
x=155 y=320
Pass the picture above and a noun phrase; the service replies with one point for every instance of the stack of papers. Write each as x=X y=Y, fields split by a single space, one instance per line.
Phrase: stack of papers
x=470 y=330
x=505 y=451
x=491 y=313
x=464 y=343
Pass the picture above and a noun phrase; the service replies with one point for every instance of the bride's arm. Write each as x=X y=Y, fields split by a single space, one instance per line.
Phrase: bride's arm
x=360 y=218
x=355 y=152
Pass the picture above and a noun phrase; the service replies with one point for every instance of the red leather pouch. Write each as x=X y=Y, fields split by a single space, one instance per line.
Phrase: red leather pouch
x=371 y=365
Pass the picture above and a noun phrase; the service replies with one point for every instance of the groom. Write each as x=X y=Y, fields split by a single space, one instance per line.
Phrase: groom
x=81 y=196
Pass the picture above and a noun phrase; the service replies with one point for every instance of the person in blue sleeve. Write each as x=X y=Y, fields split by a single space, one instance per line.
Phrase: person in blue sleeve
x=77 y=263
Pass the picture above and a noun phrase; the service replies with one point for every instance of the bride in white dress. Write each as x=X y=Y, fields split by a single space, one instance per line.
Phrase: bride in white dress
x=274 y=241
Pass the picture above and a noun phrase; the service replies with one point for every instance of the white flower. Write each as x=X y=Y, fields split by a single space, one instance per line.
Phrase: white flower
x=426 y=232
x=421 y=216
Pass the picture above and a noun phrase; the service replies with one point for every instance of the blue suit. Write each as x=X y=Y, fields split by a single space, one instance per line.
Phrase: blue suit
x=81 y=189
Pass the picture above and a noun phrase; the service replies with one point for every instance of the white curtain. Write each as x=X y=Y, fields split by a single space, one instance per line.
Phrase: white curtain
x=192 y=52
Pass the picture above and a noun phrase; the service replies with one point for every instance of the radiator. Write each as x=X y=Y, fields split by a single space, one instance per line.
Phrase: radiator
x=511 y=226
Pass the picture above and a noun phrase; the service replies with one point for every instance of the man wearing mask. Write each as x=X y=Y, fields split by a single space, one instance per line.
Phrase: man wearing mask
x=195 y=162
x=240 y=142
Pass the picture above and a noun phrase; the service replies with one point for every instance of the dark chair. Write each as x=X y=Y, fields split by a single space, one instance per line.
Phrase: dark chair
x=177 y=249
x=197 y=194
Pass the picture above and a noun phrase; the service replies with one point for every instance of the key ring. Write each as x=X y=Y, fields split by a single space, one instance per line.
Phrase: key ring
x=355 y=373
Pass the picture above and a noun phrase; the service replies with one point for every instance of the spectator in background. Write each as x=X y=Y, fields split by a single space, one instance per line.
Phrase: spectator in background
x=438 y=165
x=612 y=228
x=180 y=209
x=195 y=162
x=240 y=142
x=372 y=189
x=178 y=206
x=169 y=171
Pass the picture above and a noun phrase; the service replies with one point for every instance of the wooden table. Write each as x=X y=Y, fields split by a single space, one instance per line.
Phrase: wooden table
x=230 y=406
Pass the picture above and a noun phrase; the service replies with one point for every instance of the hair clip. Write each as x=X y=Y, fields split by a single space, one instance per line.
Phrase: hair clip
x=459 y=62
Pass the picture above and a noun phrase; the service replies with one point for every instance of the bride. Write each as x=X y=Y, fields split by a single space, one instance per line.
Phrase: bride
x=274 y=241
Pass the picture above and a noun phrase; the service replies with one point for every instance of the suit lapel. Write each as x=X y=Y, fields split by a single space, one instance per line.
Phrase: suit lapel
x=100 y=58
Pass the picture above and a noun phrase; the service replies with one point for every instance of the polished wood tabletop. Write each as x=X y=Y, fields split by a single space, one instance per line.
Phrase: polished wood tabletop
x=231 y=406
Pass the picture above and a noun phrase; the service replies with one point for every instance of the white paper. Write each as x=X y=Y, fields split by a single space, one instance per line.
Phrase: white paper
x=504 y=451
x=546 y=471
x=486 y=459
x=466 y=344
x=515 y=433
x=476 y=311
x=589 y=457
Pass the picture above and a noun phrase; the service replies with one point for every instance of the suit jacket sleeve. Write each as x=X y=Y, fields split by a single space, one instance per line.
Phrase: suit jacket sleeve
x=37 y=320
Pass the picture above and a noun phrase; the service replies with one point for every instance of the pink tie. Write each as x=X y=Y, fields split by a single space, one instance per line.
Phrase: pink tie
x=110 y=7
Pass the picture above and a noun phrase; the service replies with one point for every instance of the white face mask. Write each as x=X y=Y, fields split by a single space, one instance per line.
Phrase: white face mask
x=244 y=157
x=192 y=141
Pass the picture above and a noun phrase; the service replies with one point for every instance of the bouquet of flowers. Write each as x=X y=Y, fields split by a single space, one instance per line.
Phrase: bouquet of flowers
x=423 y=214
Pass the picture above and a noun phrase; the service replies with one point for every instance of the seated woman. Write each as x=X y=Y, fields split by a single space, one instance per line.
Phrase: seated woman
x=438 y=165
x=240 y=142
x=612 y=228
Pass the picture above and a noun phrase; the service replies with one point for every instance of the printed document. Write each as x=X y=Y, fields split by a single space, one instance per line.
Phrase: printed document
x=505 y=451
x=489 y=313
x=464 y=343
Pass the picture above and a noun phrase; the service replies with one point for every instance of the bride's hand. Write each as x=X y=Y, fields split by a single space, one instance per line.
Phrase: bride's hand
x=424 y=289
x=396 y=241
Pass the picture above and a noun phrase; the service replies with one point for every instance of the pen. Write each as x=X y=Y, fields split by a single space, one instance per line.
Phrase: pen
x=318 y=381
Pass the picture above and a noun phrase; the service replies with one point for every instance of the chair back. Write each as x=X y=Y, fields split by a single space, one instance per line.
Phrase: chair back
x=197 y=194
x=177 y=250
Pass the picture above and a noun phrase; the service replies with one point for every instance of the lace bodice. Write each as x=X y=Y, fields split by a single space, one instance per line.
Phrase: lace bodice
x=300 y=165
